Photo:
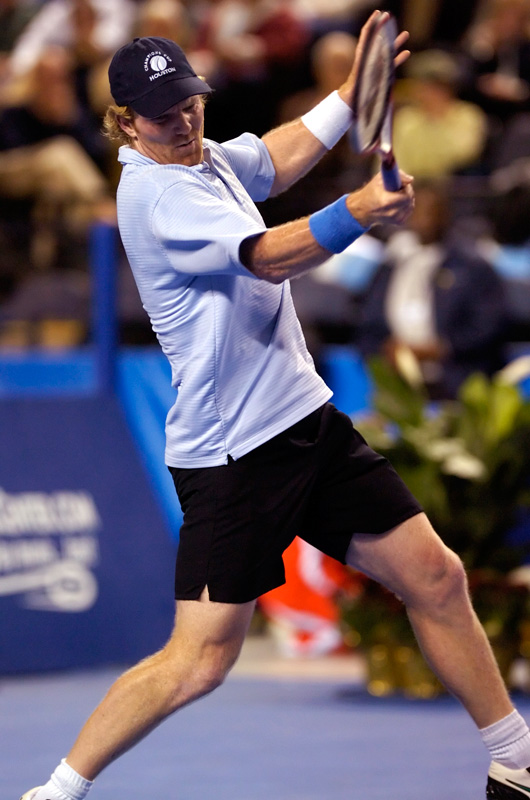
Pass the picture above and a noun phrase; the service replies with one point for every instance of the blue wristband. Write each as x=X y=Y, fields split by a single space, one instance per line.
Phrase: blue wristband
x=334 y=227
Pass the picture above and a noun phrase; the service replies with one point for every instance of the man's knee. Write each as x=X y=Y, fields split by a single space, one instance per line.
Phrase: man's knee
x=212 y=669
x=443 y=581
x=195 y=672
x=413 y=562
x=205 y=644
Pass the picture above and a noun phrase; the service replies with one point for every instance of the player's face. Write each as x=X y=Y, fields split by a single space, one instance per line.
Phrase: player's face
x=175 y=137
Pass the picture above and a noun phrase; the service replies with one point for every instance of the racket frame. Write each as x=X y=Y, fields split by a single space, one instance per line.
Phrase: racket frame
x=381 y=140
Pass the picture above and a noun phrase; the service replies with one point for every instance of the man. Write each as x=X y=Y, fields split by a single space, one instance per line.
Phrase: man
x=256 y=451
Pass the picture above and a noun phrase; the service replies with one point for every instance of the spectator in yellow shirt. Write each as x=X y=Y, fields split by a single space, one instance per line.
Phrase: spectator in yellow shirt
x=435 y=132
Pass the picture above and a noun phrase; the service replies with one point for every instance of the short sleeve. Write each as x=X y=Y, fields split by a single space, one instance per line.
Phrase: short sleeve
x=200 y=231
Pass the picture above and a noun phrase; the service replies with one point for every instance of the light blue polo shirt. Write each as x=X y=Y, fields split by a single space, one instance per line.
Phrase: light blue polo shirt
x=238 y=357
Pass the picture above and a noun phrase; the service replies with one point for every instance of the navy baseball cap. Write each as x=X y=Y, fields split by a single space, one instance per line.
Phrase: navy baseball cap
x=152 y=74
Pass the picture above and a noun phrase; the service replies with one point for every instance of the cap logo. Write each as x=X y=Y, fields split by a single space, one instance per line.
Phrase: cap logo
x=157 y=62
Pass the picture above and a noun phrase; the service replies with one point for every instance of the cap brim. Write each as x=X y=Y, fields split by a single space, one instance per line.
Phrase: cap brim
x=167 y=94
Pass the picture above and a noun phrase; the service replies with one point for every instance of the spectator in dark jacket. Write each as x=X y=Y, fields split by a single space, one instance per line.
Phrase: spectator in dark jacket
x=437 y=297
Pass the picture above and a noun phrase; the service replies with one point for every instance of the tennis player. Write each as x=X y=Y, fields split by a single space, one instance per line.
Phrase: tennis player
x=257 y=452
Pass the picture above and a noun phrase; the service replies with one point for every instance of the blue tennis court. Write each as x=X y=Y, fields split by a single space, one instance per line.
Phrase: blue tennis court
x=275 y=731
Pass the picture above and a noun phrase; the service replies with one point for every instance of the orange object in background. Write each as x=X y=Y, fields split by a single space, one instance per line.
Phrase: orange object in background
x=303 y=614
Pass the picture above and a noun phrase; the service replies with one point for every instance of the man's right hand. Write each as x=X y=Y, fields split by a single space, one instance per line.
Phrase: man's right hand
x=373 y=204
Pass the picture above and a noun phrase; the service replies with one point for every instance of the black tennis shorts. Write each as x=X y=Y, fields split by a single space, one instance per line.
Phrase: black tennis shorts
x=318 y=480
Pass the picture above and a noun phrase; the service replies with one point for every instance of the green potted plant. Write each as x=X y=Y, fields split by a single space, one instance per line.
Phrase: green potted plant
x=468 y=462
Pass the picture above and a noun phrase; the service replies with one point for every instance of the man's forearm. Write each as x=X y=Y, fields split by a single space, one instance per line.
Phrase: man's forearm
x=289 y=250
x=283 y=252
x=294 y=152
x=296 y=147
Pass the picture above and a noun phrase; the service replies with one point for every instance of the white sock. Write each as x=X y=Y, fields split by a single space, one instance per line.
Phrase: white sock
x=64 y=784
x=508 y=741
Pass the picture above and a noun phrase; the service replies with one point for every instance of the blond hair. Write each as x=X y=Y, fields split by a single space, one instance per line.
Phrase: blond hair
x=111 y=125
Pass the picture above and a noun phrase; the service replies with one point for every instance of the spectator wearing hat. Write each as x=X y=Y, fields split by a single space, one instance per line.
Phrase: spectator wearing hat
x=437 y=134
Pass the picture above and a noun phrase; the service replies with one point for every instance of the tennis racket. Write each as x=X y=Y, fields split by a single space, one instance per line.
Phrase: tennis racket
x=372 y=104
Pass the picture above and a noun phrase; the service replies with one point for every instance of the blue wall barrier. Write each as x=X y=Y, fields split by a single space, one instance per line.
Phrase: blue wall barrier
x=86 y=563
x=86 y=555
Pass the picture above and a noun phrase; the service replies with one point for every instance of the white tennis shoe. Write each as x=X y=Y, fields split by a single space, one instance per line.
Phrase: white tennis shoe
x=507 y=784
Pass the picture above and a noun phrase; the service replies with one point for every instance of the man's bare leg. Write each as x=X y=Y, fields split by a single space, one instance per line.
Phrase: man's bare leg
x=413 y=562
x=205 y=644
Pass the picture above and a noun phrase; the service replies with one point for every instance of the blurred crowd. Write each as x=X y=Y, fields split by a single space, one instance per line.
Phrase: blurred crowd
x=454 y=286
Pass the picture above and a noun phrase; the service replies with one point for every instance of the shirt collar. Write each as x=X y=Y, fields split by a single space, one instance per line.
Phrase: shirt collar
x=128 y=155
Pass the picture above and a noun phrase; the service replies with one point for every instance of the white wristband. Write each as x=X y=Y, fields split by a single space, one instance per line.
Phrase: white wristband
x=329 y=120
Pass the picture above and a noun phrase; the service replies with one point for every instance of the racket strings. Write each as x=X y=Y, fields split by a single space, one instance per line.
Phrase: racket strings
x=373 y=94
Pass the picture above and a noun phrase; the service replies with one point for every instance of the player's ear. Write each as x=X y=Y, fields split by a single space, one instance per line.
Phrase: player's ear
x=126 y=124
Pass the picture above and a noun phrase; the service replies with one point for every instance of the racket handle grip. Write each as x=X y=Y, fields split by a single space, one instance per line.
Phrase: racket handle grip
x=391 y=176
